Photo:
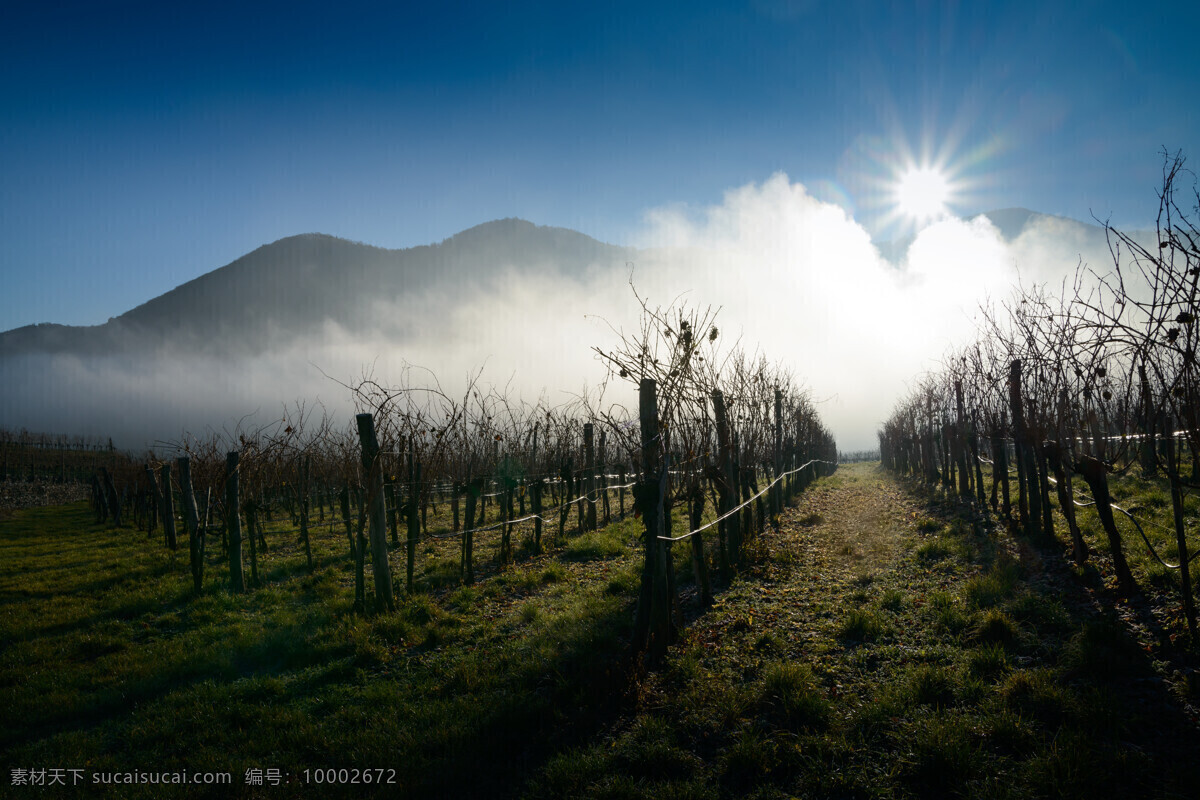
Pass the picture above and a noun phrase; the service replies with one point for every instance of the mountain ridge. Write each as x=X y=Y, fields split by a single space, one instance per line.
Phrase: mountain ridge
x=290 y=287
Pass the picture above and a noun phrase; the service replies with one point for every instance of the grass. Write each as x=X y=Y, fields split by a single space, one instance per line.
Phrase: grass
x=861 y=625
x=941 y=671
x=881 y=646
x=110 y=662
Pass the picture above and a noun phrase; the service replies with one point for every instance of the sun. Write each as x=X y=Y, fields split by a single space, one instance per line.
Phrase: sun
x=922 y=193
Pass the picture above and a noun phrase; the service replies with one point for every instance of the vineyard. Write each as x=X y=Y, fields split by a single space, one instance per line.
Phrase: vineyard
x=467 y=594
x=711 y=428
x=1065 y=393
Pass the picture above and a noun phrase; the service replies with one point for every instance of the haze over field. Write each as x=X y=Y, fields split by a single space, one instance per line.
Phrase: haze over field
x=795 y=277
x=816 y=169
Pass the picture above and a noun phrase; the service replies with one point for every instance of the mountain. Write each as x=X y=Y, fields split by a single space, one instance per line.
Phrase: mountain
x=292 y=286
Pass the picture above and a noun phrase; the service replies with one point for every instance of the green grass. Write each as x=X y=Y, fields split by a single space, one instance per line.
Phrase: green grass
x=789 y=695
x=111 y=662
x=948 y=673
x=934 y=551
x=942 y=669
x=861 y=625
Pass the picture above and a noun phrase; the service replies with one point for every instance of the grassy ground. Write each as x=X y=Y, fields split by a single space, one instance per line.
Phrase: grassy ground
x=880 y=647
x=108 y=662
x=889 y=648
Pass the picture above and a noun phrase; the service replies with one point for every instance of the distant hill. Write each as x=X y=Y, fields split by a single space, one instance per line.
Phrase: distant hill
x=292 y=286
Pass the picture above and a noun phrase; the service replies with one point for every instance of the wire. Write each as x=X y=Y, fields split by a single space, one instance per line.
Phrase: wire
x=733 y=511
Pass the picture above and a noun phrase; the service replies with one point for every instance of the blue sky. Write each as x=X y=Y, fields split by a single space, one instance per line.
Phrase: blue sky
x=144 y=144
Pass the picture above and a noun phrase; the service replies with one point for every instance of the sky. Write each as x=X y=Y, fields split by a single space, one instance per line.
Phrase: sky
x=144 y=144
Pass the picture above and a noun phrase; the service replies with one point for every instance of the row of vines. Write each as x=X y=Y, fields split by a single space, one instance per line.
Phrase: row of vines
x=1063 y=392
x=718 y=433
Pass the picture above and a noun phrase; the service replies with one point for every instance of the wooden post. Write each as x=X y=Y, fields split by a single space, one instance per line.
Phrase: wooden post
x=455 y=491
x=191 y=520
x=589 y=465
x=726 y=490
x=305 y=471
x=535 y=495
x=474 y=487
x=777 y=492
x=168 y=508
x=760 y=516
x=504 y=487
x=604 y=476
x=652 y=622
x=233 y=522
x=373 y=467
x=565 y=506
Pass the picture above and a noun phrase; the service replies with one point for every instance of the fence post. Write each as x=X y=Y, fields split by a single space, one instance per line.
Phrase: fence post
x=589 y=465
x=192 y=520
x=414 y=522
x=604 y=475
x=304 y=509
x=373 y=466
x=504 y=491
x=233 y=522
x=535 y=494
x=777 y=491
x=653 y=619
x=727 y=530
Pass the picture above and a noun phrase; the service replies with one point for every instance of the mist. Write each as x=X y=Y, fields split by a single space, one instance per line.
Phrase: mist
x=796 y=278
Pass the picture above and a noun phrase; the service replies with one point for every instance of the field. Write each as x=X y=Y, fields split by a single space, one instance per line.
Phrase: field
x=882 y=643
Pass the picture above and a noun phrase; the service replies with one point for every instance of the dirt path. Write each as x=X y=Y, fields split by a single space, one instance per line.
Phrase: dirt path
x=884 y=646
x=847 y=546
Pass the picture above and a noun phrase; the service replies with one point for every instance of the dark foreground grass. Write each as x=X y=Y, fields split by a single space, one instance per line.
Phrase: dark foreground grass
x=109 y=664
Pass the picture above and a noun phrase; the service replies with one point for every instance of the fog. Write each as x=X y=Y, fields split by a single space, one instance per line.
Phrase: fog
x=796 y=278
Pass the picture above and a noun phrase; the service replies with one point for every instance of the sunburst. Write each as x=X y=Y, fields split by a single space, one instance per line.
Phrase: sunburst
x=921 y=193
